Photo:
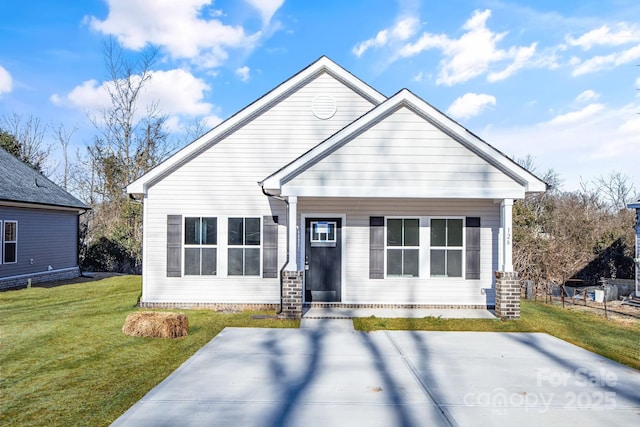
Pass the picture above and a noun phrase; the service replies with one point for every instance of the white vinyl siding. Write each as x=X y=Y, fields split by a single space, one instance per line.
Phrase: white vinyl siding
x=404 y=153
x=358 y=288
x=222 y=181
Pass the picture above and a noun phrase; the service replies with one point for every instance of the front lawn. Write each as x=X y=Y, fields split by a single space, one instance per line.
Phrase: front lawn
x=615 y=340
x=64 y=360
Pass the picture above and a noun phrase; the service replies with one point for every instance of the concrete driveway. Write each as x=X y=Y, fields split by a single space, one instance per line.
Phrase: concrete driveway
x=330 y=375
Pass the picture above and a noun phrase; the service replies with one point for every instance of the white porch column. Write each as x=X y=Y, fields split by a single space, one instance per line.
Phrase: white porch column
x=293 y=234
x=506 y=236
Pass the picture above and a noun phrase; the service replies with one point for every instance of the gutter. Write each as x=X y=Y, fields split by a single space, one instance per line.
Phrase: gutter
x=286 y=262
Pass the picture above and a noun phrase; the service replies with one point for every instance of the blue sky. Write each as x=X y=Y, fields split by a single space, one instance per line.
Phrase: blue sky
x=557 y=80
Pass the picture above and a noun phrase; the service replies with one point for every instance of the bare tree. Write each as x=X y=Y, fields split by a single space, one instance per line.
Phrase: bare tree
x=63 y=136
x=195 y=129
x=616 y=189
x=561 y=235
x=131 y=139
x=128 y=145
x=27 y=142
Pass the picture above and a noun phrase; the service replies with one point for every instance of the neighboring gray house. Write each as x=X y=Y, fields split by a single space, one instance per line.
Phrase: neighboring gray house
x=373 y=201
x=636 y=205
x=38 y=226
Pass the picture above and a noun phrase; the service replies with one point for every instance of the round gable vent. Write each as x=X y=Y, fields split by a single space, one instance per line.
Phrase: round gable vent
x=324 y=107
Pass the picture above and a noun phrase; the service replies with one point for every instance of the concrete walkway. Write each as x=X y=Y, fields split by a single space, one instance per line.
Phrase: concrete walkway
x=326 y=374
x=419 y=313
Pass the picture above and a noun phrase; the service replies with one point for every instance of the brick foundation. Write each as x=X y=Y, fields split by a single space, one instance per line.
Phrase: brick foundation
x=291 y=295
x=507 y=295
x=399 y=306
x=228 y=307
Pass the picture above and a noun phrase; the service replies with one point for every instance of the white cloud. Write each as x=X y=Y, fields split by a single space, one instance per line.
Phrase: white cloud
x=583 y=144
x=577 y=116
x=420 y=77
x=177 y=93
x=243 y=73
x=474 y=52
x=211 y=121
x=266 y=8
x=402 y=30
x=621 y=34
x=178 y=27
x=470 y=104
x=587 y=95
x=6 y=82
x=605 y=62
x=521 y=58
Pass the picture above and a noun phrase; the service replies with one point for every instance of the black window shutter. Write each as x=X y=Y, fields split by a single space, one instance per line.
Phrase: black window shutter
x=174 y=245
x=472 y=248
x=376 y=247
x=270 y=246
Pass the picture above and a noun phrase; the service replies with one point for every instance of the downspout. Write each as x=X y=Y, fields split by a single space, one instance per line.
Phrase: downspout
x=286 y=262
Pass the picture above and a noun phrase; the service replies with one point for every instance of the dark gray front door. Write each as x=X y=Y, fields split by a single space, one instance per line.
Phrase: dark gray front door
x=323 y=259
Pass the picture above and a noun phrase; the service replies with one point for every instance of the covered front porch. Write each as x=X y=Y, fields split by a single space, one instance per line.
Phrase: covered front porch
x=355 y=286
x=344 y=251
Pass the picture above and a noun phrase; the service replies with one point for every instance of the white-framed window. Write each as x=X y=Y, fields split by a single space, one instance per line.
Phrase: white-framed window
x=403 y=247
x=9 y=241
x=446 y=247
x=200 y=246
x=244 y=243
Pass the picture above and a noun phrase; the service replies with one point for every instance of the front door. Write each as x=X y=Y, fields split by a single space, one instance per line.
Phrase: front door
x=323 y=259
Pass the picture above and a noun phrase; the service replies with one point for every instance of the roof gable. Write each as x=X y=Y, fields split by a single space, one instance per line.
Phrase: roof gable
x=19 y=183
x=229 y=126
x=391 y=151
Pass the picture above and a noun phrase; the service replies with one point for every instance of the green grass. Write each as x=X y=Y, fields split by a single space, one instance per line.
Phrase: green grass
x=617 y=341
x=64 y=360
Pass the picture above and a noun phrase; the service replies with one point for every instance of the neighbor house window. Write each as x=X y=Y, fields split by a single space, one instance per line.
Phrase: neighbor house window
x=244 y=247
x=200 y=246
x=403 y=247
x=9 y=241
x=446 y=247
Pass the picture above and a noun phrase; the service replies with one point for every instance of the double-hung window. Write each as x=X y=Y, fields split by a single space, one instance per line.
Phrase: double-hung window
x=200 y=246
x=446 y=247
x=9 y=241
x=403 y=247
x=244 y=247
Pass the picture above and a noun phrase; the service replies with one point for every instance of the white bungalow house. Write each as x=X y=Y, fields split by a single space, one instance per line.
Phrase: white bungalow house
x=369 y=200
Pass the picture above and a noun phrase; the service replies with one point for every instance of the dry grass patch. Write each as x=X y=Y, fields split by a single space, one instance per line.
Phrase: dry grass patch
x=156 y=324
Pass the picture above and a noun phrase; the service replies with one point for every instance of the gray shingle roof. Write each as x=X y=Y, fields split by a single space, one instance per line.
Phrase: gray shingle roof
x=20 y=183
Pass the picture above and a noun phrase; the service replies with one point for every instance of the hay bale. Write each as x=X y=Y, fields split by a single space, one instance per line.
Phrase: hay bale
x=156 y=324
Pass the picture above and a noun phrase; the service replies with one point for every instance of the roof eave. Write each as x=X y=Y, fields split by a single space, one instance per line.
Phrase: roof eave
x=34 y=205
